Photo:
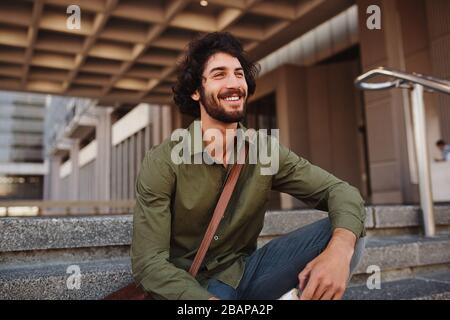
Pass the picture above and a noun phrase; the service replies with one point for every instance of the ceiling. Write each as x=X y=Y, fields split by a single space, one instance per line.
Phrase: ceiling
x=126 y=51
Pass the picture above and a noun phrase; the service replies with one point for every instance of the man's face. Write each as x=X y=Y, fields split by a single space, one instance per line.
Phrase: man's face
x=224 y=90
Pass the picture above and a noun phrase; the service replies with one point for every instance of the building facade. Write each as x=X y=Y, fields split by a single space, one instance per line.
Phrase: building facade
x=310 y=53
x=22 y=167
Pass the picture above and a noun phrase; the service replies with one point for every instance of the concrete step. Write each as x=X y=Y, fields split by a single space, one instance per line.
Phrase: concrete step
x=25 y=241
x=44 y=233
x=49 y=233
x=380 y=220
x=55 y=281
x=407 y=251
x=35 y=252
x=399 y=256
x=430 y=286
x=99 y=278
x=395 y=256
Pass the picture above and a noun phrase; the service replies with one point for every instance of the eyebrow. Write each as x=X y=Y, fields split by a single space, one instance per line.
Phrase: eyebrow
x=224 y=68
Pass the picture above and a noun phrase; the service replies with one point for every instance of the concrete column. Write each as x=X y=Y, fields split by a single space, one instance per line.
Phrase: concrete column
x=52 y=178
x=389 y=135
x=437 y=14
x=103 y=160
x=288 y=83
x=148 y=137
x=156 y=124
x=291 y=111
x=75 y=173
x=47 y=179
x=166 y=121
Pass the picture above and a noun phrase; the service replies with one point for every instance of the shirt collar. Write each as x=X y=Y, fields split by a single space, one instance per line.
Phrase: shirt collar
x=198 y=145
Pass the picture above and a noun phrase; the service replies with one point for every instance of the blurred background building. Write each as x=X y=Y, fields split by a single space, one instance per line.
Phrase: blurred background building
x=22 y=168
x=108 y=87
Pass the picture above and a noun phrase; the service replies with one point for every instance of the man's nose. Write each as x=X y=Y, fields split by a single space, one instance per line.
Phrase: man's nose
x=233 y=81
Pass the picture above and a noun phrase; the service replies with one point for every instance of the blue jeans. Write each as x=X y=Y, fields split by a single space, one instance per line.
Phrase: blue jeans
x=273 y=270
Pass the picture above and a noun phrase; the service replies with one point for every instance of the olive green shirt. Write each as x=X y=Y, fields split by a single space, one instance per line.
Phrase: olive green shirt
x=175 y=202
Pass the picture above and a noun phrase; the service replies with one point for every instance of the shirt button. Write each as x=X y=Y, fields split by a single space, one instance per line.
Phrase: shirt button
x=216 y=238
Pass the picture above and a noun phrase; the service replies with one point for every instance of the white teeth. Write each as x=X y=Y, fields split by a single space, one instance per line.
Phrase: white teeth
x=232 y=98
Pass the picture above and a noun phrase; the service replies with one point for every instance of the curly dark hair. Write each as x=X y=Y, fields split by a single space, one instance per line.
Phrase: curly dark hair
x=191 y=67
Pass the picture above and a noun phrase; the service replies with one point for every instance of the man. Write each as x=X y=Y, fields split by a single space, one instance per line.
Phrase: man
x=445 y=150
x=174 y=203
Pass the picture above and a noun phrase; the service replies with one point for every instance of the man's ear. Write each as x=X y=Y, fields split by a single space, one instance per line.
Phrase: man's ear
x=195 y=96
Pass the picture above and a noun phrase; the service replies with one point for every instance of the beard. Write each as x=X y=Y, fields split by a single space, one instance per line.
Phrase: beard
x=217 y=112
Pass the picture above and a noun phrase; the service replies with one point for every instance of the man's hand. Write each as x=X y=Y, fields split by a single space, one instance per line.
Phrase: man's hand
x=326 y=276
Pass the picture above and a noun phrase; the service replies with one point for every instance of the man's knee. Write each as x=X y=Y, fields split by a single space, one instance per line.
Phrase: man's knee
x=319 y=231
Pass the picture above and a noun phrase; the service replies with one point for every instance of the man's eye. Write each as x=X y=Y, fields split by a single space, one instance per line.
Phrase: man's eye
x=239 y=74
x=219 y=75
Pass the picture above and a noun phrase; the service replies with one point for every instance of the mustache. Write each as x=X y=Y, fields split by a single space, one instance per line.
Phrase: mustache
x=240 y=92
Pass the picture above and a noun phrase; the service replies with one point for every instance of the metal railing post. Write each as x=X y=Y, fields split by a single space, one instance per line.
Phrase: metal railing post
x=417 y=83
x=423 y=160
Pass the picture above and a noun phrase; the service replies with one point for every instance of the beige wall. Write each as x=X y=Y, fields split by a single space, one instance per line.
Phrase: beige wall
x=416 y=43
x=438 y=19
x=333 y=118
x=388 y=129
x=317 y=115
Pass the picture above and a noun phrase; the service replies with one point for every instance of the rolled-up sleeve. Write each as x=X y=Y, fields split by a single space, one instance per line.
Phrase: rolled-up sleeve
x=150 y=246
x=321 y=190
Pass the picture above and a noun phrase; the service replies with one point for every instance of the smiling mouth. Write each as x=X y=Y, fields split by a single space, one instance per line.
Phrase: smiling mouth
x=233 y=98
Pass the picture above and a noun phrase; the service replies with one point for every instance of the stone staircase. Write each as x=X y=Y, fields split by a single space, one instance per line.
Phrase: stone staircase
x=37 y=254
x=422 y=286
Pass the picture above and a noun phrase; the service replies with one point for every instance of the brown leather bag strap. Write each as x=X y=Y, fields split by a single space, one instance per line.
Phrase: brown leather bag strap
x=218 y=212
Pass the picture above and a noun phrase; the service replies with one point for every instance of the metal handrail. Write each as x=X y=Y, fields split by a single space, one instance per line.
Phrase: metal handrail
x=417 y=83
x=402 y=80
